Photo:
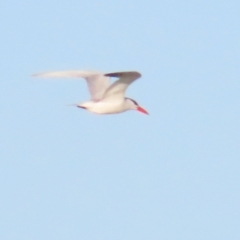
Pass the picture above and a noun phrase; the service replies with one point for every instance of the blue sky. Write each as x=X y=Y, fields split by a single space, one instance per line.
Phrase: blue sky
x=68 y=174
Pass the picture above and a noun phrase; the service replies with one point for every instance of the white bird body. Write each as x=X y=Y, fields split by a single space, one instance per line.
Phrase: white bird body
x=106 y=107
x=105 y=98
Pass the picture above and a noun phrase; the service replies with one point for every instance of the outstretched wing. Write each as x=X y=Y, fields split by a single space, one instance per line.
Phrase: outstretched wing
x=118 y=88
x=97 y=82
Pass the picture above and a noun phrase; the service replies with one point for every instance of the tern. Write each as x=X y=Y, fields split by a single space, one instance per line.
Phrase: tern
x=106 y=98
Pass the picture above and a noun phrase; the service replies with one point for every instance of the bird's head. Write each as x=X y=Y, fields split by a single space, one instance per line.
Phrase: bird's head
x=132 y=104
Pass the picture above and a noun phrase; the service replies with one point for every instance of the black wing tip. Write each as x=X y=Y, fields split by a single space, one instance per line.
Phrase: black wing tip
x=120 y=74
x=112 y=75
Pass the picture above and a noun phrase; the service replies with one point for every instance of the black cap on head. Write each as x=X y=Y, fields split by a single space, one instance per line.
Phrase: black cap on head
x=133 y=101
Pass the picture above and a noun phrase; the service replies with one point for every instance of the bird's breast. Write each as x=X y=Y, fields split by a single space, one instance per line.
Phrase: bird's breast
x=102 y=107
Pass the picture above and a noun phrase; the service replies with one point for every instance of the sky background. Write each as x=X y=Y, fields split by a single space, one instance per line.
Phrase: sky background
x=69 y=174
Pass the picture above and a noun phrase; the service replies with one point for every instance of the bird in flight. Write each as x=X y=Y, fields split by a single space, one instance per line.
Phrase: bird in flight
x=106 y=98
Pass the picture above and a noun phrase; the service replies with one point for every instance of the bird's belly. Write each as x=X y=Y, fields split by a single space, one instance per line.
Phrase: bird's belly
x=108 y=107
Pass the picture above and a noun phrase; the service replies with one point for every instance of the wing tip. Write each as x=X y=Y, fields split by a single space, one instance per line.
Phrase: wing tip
x=121 y=74
x=42 y=74
x=35 y=75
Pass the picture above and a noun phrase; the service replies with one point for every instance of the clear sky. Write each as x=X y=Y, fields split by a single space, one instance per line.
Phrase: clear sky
x=69 y=174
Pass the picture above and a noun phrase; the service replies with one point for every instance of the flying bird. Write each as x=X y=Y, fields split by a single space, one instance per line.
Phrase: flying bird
x=106 y=98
